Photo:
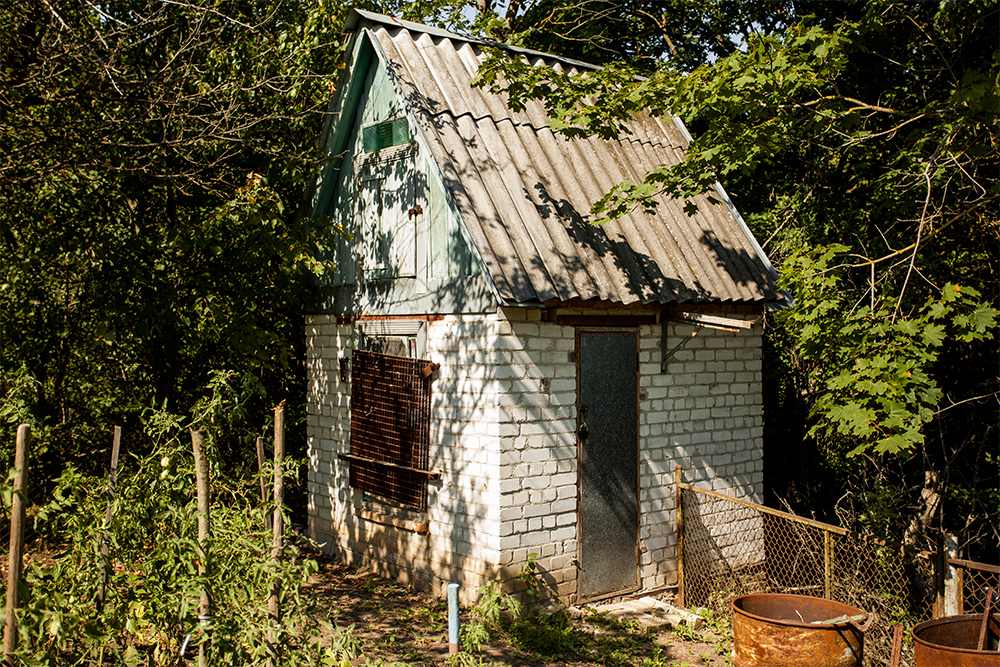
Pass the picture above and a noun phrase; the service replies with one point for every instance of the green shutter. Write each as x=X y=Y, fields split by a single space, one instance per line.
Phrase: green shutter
x=369 y=138
x=383 y=135
x=400 y=131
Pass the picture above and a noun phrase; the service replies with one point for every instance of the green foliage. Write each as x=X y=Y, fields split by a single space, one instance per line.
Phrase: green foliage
x=154 y=582
x=20 y=389
x=527 y=624
x=488 y=615
x=875 y=365
x=151 y=220
x=865 y=127
x=721 y=625
x=154 y=569
x=781 y=101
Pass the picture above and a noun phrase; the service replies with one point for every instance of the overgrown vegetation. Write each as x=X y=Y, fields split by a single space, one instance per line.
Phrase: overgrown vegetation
x=859 y=140
x=524 y=621
x=151 y=605
x=546 y=634
x=150 y=212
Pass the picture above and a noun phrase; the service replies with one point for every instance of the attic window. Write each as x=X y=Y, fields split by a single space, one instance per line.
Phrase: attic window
x=383 y=135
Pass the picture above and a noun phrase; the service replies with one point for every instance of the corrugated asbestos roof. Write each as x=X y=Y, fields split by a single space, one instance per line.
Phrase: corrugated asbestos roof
x=526 y=192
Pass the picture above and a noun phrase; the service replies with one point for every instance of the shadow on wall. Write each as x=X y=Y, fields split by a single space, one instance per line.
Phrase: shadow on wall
x=724 y=551
x=462 y=509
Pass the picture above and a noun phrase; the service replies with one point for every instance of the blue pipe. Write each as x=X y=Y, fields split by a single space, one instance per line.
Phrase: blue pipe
x=452 y=619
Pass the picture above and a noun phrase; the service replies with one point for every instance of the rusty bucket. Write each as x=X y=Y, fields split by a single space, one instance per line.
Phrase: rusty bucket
x=953 y=641
x=793 y=630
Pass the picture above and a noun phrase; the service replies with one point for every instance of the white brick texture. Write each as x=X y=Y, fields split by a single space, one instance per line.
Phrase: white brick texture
x=503 y=433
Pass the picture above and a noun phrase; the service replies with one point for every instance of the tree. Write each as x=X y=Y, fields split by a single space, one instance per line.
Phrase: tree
x=642 y=33
x=150 y=227
x=862 y=145
x=150 y=198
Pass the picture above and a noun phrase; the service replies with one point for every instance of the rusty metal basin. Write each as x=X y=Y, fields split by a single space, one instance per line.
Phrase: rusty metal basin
x=796 y=630
x=951 y=641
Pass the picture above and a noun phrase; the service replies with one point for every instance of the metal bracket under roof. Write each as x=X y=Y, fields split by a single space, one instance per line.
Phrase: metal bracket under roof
x=663 y=345
x=700 y=322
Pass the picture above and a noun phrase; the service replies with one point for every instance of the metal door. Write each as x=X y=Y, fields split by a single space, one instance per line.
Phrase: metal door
x=608 y=437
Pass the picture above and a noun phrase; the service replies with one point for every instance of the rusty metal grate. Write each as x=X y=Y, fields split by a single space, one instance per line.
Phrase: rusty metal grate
x=390 y=427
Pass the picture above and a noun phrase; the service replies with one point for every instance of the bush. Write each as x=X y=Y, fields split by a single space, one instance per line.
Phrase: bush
x=150 y=611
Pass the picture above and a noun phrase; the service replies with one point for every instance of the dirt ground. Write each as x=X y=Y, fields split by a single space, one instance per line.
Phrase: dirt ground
x=397 y=625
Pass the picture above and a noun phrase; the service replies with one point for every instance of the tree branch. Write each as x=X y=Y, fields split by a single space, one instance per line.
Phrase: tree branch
x=941 y=228
x=916 y=244
x=968 y=400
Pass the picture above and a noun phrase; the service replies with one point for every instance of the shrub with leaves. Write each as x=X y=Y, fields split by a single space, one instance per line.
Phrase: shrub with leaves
x=527 y=624
x=151 y=606
x=872 y=365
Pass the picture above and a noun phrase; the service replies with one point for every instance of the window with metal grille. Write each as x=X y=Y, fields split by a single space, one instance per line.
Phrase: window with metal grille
x=390 y=427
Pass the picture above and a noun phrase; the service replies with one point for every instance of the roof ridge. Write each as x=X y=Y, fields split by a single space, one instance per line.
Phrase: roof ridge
x=356 y=15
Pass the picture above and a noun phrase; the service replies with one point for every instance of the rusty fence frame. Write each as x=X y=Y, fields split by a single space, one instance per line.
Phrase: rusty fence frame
x=727 y=547
x=972 y=580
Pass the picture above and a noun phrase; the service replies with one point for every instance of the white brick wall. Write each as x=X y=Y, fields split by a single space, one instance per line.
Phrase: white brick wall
x=503 y=432
x=539 y=467
x=703 y=414
x=463 y=541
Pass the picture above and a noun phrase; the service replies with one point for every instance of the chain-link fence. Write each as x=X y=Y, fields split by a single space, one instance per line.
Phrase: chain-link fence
x=973 y=580
x=730 y=547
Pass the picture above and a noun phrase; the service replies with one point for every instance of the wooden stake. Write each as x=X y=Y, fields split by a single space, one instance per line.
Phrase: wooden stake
x=263 y=484
x=279 y=480
x=106 y=565
x=14 y=561
x=897 y=646
x=984 y=629
x=273 y=606
x=201 y=478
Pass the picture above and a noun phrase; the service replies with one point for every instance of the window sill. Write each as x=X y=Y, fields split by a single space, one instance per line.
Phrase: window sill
x=420 y=527
x=430 y=474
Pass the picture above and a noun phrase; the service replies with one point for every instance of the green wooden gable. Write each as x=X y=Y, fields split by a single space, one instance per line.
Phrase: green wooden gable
x=403 y=249
x=456 y=203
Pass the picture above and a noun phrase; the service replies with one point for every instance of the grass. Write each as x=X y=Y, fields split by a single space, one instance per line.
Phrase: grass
x=394 y=625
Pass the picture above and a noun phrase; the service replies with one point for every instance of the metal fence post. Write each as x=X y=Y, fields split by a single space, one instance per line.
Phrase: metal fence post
x=827 y=565
x=940 y=563
x=953 y=580
x=453 y=633
x=679 y=505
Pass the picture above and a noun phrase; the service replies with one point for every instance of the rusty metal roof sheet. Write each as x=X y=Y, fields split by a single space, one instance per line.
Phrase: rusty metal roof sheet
x=526 y=192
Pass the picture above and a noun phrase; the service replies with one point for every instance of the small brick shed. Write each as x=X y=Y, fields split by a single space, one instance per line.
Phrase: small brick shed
x=491 y=376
